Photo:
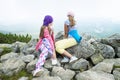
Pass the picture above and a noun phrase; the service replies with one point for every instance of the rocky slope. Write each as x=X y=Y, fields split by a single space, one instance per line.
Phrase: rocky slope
x=99 y=59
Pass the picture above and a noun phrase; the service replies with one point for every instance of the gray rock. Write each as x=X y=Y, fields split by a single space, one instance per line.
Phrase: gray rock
x=84 y=50
x=106 y=50
x=23 y=78
x=0 y=68
x=94 y=75
x=48 y=64
x=47 y=78
x=30 y=50
x=32 y=42
x=118 y=52
x=5 y=45
x=12 y=65
x=1 y=50
x=103 y=66
x=86 y=36
x=81 y=65
x=63 y=74
x=8 y=56
x=116 y=74
x=97 y=57
x=31 y=66
x=113 y=40
x=27 y=58
x=17 y=45
x=59 y=36
x=44 y=73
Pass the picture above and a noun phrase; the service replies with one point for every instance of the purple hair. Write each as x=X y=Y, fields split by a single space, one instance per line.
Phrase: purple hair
x=47 y=20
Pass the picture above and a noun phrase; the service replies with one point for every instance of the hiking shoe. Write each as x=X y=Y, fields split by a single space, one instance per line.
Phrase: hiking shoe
x=73 y=59
x=65 y=60
x=35 y=72
x=54 y=61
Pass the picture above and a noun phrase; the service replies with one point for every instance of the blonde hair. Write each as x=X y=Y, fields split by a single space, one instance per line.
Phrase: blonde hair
x=72 y=22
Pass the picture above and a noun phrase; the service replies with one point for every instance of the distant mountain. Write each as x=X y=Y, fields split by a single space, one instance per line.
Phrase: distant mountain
x=4 y=32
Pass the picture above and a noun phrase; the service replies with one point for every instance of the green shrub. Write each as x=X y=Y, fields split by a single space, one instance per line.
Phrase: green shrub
x=5 y=51
x=11 y=38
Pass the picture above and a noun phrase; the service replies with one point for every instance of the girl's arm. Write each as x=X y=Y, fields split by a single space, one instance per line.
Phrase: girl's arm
x=65 y=31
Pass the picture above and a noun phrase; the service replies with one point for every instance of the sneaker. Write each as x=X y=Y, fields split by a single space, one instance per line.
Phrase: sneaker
x=54 y=61
x=73 y=59
x=35 y=72
x=65 y=60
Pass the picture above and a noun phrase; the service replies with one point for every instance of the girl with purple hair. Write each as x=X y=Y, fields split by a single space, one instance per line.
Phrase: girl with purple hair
x=45 y=45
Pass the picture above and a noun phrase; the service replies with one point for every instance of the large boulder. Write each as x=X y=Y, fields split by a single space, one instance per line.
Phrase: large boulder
x=106 y=50
x=27 y=58
x=94 y=75
x=31 y=66
x=97 y=57
x=62 y=73
x=12 y=65
x=23 y=78
x=81 y=65
x=8 y=56
x=17 y=45
x=113 y=40
x=104 y=66
x=84 y=49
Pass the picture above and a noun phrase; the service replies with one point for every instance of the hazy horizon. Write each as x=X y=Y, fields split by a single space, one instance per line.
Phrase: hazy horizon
x=97 y=16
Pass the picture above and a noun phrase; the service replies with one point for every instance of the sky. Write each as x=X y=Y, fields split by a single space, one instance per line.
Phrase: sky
x=27 y=15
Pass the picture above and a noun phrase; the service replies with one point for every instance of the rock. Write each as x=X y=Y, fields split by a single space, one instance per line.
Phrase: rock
x=1 y=50
x=47 y=78
x=103 y=66
x=27 y=58
x=48 y=64
x=5 y=45
x=113 y=40
x=8 y=56
x=117 y=63
x=63 y=74
x=44 y=73
x=81 y=65
x=30 y=50
x=31 y=66
x=118 y=51
x=97 y=57
x=86 y=36
x=84 y=50
x=59 y=36
x=17 y=45
x=32 y=42
x=94 y=75
x=106 y=50
x=0 y=68
x=23 y=78
x=12 y=65
x=116 y=73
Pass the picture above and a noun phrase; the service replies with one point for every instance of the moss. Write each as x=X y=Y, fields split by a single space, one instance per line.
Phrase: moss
x=17 y=76
x=5 y=51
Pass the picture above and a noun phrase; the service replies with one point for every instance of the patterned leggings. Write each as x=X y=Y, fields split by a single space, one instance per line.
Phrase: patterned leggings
x=45 y=51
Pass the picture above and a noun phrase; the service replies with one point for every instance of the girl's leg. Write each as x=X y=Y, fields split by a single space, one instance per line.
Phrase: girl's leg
x=41 y=59
x=64 y=44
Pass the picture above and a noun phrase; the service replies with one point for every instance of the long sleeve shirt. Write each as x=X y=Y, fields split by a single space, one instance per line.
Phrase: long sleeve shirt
x=49 y=36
